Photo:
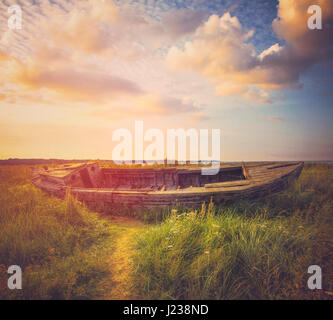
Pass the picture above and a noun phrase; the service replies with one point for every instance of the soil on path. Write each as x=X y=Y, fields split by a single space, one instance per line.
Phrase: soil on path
x=121 y=263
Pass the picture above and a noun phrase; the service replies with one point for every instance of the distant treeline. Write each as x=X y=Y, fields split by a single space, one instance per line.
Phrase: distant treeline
x=37 y=161
x=15 y=161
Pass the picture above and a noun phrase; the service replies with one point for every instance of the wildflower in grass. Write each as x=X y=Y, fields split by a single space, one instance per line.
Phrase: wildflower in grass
x=207 y=252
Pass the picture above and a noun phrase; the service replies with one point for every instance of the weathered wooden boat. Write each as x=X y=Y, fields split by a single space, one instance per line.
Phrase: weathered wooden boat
x=169 y=186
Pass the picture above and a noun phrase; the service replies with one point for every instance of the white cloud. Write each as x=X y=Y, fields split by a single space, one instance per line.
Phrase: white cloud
x=271 y=50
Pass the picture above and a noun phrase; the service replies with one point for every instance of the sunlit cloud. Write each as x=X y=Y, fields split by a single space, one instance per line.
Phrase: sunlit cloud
x=222 y=52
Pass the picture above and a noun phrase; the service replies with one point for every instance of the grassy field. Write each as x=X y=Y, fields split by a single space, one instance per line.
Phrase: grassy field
x=60 y=246
x=249 y=250
x=246 y=250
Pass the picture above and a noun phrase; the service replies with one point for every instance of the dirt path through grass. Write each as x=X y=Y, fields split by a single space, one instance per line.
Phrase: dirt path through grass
x=120 y=260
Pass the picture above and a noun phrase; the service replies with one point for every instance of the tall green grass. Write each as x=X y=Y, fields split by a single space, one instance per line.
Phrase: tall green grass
x=247 y=250
x=61 y=247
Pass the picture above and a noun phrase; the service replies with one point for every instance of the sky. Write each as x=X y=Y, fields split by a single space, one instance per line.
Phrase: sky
x=78 y=70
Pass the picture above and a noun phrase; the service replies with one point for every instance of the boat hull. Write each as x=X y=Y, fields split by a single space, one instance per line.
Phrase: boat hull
x=259 y=180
